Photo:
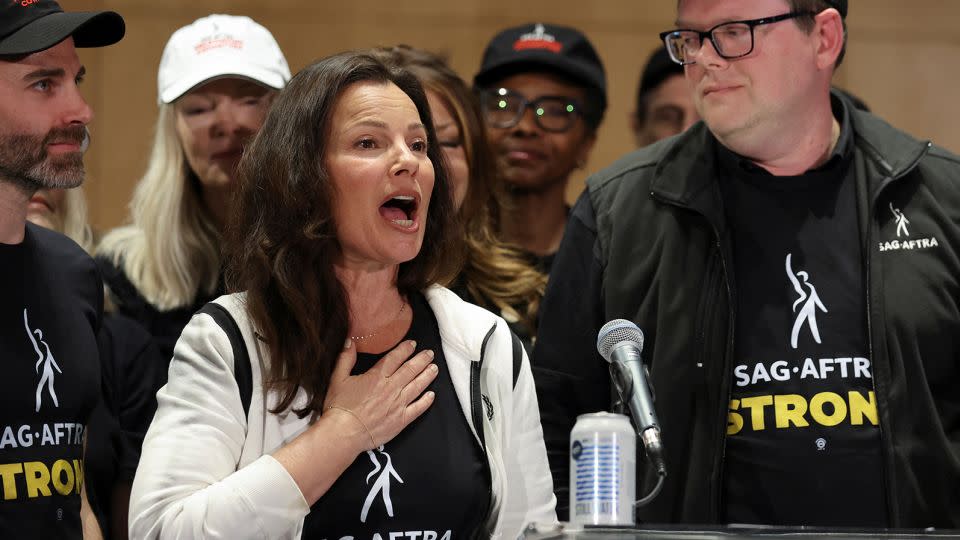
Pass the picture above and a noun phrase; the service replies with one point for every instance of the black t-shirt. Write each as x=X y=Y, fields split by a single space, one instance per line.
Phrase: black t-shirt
x=544 y=263
x=132 y=371
x=803 y=443
x=430 y=481
x=165 y=326
x=49 y=316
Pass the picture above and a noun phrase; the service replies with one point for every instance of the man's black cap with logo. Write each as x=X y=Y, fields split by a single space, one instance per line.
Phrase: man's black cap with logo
x=550 y=48
x=659 y=67
x=29 y=26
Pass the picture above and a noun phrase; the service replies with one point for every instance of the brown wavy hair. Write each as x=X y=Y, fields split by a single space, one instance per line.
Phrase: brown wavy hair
x=281 y=239
x=496 y=274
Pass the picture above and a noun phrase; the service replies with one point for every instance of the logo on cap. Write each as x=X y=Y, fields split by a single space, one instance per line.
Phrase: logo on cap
x=538 y=39
x=218 y=41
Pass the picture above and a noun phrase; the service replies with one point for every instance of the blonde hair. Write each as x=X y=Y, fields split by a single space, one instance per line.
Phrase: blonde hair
x=71 y=218
x=171 y=249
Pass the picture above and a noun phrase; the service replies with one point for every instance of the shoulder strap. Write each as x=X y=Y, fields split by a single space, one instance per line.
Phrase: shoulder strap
x=241 y=360
x=517 y=357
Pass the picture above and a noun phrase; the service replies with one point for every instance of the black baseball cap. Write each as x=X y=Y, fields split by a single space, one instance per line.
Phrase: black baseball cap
x=544 y=47
x=29 y=26
x=659 y=68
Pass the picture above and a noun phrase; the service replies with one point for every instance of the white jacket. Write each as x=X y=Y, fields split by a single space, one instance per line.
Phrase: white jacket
x=206 y=470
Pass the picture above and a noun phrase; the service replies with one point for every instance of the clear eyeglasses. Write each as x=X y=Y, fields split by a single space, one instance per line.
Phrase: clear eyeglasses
x=503 y=109
x=732 y=39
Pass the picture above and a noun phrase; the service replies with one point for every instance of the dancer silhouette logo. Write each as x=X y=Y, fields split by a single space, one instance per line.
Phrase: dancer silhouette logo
x=381 y=475
x=808 y=302
x=44 y=358
x=901 y=220
x=903 y=242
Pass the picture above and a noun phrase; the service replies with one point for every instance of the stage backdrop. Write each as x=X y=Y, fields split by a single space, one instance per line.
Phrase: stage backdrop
x=901 y=59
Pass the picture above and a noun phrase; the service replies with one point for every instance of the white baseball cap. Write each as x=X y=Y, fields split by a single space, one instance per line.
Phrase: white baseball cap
x=219 y=46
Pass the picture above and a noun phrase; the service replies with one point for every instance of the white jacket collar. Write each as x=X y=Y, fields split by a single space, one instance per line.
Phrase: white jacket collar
x=463 y=326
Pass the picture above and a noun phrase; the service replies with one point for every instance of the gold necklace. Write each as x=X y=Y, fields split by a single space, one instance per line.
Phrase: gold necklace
x=403 y=306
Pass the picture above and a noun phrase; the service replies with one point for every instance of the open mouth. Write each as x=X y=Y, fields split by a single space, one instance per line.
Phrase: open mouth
x=400 y=210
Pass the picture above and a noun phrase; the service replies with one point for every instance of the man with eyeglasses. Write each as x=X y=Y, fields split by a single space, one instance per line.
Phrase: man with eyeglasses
x=793 y=263
x=542 y=88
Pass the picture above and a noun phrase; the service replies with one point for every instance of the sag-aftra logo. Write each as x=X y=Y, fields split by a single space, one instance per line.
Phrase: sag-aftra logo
x=779 y=408
x=378 y=505
x=44 y=357
x=46 y=466
x=903 y=242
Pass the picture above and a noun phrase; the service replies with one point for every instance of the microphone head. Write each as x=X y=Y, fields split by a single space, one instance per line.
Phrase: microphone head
x=615 y=332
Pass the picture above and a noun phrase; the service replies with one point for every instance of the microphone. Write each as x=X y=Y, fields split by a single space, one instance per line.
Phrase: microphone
x=620 y=342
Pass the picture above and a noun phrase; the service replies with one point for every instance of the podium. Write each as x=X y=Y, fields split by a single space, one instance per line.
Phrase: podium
x=568 y=531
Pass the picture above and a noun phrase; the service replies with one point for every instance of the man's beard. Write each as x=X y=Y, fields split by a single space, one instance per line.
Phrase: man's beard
x=24 y=159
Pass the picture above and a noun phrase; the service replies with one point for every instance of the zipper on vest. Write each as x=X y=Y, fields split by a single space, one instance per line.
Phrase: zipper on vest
x=893 y=519
x=725 y=389
x=881 y=405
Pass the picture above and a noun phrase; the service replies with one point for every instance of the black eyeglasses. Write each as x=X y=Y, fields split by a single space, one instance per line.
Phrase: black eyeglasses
x=503 y=109
x=732 y=39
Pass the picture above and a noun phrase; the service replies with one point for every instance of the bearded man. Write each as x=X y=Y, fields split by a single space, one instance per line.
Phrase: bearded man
x=52 y=294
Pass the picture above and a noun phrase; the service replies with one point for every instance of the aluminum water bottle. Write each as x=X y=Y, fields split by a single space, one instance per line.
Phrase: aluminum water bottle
x=603 y=463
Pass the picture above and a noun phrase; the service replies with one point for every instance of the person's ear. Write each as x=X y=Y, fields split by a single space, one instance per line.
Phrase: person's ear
x=828 y=33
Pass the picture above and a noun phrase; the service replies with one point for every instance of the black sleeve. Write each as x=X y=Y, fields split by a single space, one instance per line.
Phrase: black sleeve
x=136 y=372
x=97 y=294
x=123 y=294
x=571 y=378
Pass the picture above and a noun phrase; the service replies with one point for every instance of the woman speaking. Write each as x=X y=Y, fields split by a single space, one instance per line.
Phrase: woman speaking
x=382 y=403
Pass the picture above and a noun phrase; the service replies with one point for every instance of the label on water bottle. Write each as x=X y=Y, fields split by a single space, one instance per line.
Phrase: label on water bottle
x=603 y=450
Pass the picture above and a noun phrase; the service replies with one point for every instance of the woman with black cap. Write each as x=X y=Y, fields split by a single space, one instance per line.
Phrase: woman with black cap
x=543 y=92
